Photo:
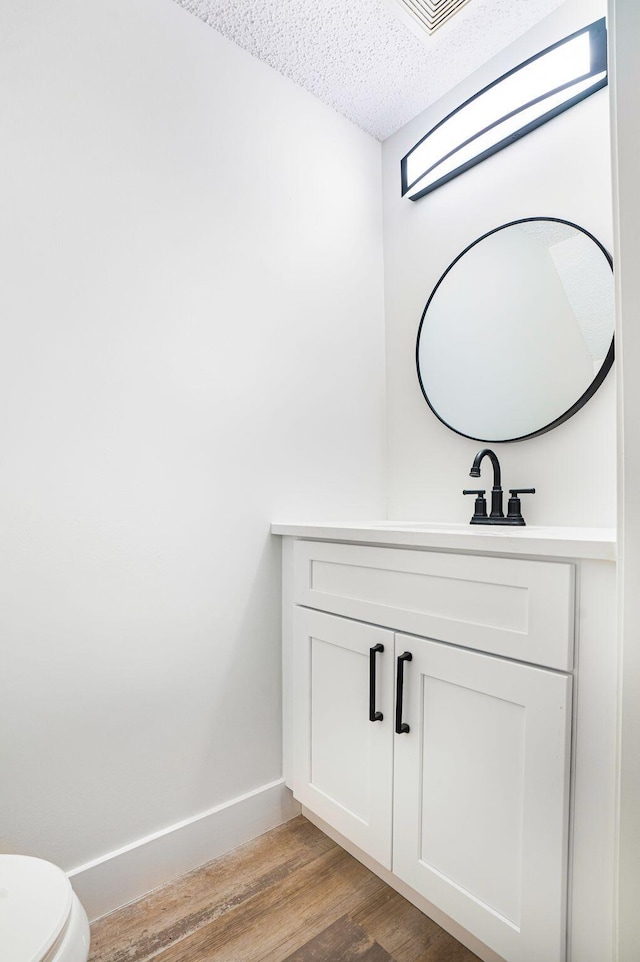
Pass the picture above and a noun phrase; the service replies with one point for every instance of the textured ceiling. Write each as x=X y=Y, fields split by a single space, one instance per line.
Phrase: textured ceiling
x=360 y=58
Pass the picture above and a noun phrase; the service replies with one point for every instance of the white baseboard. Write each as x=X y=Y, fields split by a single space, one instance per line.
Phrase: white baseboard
x=122 y=876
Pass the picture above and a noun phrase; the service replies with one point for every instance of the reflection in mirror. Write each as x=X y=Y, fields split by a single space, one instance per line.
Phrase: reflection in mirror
x=518 y=333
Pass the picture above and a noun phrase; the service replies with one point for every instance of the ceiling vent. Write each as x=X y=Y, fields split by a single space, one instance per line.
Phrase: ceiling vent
x=427 y=15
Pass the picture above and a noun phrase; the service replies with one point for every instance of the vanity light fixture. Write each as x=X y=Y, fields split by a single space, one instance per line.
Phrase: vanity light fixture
x=513 y=105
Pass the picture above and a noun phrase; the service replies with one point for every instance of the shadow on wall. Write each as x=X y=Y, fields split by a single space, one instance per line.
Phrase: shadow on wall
x=248 y=705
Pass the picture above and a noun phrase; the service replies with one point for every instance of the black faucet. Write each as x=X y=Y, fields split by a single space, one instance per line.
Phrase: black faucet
x=514 y=513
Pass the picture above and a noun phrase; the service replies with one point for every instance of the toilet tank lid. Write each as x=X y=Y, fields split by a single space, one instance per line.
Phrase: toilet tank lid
x=35 y=902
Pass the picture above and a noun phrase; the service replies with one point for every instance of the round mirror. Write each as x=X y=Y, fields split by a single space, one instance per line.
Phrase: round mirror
x=518 y=332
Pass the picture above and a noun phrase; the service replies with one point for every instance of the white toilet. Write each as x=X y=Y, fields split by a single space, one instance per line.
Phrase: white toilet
x=41 y=918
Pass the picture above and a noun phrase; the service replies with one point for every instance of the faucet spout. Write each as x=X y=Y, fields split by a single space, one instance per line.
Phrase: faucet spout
x=475 y=469
x=496 y=491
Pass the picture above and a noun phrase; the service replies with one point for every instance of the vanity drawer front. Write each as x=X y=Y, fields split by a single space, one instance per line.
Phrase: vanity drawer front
x=519 y=609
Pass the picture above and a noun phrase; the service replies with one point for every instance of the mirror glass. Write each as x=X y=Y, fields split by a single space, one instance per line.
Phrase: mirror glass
x=518 y=332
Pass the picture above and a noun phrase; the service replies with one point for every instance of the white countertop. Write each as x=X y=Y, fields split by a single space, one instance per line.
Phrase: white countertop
x=594 y=543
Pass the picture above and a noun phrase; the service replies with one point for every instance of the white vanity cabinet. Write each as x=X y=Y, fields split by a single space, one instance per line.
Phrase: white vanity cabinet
x=344 y=762
x=481 y=795
x=463 y=798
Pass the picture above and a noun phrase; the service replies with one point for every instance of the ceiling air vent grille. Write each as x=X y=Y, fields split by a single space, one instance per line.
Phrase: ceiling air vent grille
x=430 y=14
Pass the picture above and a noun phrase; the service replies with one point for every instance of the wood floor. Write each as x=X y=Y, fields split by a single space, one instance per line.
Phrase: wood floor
x=291 y=895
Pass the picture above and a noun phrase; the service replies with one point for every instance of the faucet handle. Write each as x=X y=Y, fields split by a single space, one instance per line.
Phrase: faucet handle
x=480 y=506
x=514 y=511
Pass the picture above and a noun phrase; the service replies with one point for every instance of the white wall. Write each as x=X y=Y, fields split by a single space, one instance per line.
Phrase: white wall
x=625 y=36
x=191 y=300
x=560 y=170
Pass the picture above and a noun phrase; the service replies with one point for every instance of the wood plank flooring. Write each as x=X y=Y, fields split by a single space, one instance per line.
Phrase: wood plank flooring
x=291 y=895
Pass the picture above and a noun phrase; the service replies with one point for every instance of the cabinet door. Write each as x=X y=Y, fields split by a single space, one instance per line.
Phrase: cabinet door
x=343 y=761
x=481 y=795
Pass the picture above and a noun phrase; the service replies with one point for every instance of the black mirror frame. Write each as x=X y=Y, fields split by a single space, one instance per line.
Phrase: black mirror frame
x=582 y=400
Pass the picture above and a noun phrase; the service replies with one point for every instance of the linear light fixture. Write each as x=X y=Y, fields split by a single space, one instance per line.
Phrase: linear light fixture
x=513 y=105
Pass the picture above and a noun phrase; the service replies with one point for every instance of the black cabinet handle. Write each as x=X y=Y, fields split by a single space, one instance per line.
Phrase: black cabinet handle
x=401 y=727
x=373 y=714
